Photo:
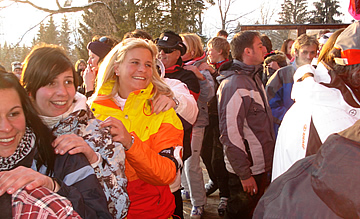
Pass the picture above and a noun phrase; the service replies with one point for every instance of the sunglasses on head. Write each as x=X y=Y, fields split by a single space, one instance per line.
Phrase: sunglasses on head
x=166 y=50
x=105 y=40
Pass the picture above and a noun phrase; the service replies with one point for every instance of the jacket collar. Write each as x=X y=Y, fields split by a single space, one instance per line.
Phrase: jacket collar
x=238 y=67
x=197 y=61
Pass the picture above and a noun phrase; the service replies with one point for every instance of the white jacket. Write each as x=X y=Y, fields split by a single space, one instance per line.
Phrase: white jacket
x=187 y=107
x=328 y=110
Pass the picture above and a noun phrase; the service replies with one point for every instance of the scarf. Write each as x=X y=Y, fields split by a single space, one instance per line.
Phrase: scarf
x=24 y=148
x=218 y=64
x=23 y=156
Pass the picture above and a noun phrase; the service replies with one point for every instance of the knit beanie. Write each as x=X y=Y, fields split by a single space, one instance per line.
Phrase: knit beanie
x=100 y=49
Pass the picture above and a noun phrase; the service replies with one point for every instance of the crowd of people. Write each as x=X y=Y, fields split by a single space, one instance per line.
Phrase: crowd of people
x=123 y=134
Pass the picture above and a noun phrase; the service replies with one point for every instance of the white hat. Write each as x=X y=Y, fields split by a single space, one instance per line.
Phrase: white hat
x=324 y=38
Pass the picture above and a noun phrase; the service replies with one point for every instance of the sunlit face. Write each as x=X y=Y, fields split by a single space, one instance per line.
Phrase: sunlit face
x=93 y=60
x=82 y=66
x=55 y=98
x=169 y=59
x=257 y=52
x=289 y=45
x=187 y=56
x=305 y=54
x=135 y=71
x=214 y=56
x=12 y=121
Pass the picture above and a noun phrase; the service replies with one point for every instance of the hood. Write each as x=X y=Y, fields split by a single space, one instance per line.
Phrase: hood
x=336 y=174
x=161 y=68
x=236 y=67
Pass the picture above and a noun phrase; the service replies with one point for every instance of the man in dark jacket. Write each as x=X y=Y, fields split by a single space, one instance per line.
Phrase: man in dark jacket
x=171 y=48
x=245 y=122
x=324 y=185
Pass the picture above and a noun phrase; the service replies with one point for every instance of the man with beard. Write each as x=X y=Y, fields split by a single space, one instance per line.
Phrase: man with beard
x=245 y=123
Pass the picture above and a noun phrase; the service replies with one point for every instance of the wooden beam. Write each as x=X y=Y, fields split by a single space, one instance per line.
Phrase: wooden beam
x=301 y=28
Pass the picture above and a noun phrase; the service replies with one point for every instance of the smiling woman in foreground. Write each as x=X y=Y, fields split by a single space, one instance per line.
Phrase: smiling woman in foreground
x=22 y=138
x=127 y=84
x=50 y=79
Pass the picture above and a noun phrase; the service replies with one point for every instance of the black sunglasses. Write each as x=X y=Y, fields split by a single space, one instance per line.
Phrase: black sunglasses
x=166 y=50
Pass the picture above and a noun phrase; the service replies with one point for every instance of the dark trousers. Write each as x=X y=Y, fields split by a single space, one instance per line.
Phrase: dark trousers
x=178 y=213
x=241 y=204
x=213 y=156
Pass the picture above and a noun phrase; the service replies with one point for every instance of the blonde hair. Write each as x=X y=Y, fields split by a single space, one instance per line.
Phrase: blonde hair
x=220 y=43
x=116 y=57
x=304 y=40
x=193 y=44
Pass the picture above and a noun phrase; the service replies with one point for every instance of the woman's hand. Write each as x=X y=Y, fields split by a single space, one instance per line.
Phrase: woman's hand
x=74 y=144
x=118 y=131
x=196 y=71
x=163 y=103
x=11 y=181
x=206 y=66
x=89 y=77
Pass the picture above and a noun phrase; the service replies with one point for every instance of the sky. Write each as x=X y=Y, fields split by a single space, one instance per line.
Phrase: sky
x=14 y=25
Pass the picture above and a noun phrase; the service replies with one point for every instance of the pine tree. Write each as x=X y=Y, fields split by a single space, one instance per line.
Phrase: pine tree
x=96 y=22
x=64 y=35
x=293 y=12
x=51 y=34
x=153 y=16
x=325 y=12
x=184 y=15
x=40 y=37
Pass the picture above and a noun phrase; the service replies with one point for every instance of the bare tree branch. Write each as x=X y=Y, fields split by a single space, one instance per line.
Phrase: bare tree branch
x=58 y=4
x=61 y=10
x=70 y=9
x=6 y=5
x=22 y=37
x=235 y=19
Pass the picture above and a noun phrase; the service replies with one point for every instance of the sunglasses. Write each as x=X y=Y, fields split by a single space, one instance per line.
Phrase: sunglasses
x=166 y=50
x=104 y=39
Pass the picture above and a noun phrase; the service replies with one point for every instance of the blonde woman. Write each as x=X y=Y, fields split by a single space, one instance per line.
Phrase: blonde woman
x=128 y=83
x=195 y=60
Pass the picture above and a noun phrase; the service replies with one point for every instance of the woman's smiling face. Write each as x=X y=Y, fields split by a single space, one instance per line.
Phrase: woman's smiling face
x=55 y=98
x=135 y=72
x=12 y=121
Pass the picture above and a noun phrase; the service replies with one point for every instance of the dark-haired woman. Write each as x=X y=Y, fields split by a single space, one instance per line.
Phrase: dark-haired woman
x=98 y=48
x=52 y=87
x=26 y=141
